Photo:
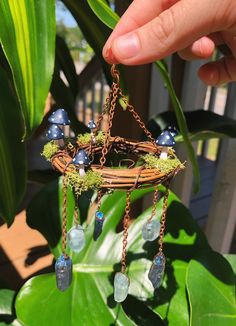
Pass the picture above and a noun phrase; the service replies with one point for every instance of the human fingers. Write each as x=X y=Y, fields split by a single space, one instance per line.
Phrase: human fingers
x=137 y=14
x=173 y=30
x=200 y=49
x=218 y=72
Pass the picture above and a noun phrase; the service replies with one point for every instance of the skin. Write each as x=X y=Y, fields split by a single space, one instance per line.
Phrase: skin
x=151 y=30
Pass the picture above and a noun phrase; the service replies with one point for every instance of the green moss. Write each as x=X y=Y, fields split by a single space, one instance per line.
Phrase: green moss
x=49 y=150
x=91 y=180
x=165 y=166
x=86 y=138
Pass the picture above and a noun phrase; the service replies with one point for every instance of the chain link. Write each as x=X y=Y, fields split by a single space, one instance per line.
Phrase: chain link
x=154 y=203
x=125 y=231
x=137 y=118
x=115 y=90
x=64 y=215
x=163 y=219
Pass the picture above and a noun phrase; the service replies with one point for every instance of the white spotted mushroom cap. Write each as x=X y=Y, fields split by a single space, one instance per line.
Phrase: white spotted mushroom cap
x=54 y=132
x=165 y=139
x=59 y=117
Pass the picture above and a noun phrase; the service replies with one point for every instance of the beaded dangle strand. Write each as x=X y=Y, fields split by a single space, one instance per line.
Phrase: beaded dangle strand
x=151 y=229
x=157 y=269
x=121 y=280
x=63 y=265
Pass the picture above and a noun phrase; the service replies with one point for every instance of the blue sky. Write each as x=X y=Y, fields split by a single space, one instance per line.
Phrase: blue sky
x=63 y=14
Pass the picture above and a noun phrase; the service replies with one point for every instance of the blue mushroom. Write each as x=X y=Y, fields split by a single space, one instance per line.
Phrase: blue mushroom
x=82 y=160
x=55 y=133
x=165 y=140
x=92 y=126
x=172 y=129
x=60 y=117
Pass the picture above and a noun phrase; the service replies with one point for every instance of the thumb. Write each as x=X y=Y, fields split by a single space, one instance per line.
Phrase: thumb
x=174 y=29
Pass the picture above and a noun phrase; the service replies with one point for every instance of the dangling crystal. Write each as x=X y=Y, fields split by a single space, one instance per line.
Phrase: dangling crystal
x=151 y=230
x=76 y=238
x=121 y=287
x=98 y=224
x=157 y=269
x=63 y=270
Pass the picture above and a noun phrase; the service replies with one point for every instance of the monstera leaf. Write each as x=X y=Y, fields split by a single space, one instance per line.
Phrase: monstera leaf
x=89 y=300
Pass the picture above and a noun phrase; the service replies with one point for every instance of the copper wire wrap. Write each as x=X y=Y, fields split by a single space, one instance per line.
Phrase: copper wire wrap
x=163 y=219
x=76 y=213
x=64 y=215
x=125 y=231
x=154 y=203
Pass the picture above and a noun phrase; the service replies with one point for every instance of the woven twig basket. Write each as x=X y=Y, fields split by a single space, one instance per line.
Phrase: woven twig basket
x=119 y=178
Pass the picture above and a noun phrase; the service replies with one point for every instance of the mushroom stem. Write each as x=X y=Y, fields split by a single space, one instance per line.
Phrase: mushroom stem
x=81 y=170
x=164 y=153
x=59 y=142
x=66 y=130
x=93 y=137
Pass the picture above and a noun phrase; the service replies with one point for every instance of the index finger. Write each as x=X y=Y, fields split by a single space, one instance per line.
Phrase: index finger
x=138 y=14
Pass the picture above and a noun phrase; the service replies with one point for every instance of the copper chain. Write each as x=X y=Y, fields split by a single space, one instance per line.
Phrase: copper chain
x=64 y=215
x=154 y=203
x=125 y=231
x=137 y=118
x=115 y=89
x=76 y=213
x=163 y=219
x=99 y=199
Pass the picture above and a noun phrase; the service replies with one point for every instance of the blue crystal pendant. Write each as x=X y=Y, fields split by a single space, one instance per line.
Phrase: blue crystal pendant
x=76 y=238
x=151 y=230
x=157 y=269
x=63 y=270
x=99 y=219
x=121 y=287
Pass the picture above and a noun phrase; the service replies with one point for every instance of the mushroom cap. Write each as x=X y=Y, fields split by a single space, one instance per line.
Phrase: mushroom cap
x=54 y=132
x=59 y=117
x=165 y=139
x=92 y=125
x=81 y=158
x=172 y=129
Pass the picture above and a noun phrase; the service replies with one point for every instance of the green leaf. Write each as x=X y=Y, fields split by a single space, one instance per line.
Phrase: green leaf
x=27 y=35
x=202 y=125
x=232 y=260
x=7 y=313
x=211 y=291
x=66 y=64
x=104 y=12
x=12 y=151
x=161 y=66
x=94 y=267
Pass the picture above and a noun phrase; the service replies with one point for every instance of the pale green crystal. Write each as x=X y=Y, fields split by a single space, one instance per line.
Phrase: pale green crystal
x=76 y=238
x=151 y=230
x=121 y=287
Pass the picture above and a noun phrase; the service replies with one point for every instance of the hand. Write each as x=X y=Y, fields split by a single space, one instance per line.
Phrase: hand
x=153 y=29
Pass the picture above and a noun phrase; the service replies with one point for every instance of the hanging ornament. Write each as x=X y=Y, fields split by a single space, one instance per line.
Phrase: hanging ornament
x=157 y=269
x=121 y=281
x=63 y=265
x=99 y=218
x=75 y=236
x=156 y=164
x=151 y=228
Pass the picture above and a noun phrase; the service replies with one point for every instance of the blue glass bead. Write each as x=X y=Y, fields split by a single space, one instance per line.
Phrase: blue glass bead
x=98 y=225
x=151 y=230
x=99 y=215
x=157 y=269
x=76 y=238
x=121 y=287
x=63 y=270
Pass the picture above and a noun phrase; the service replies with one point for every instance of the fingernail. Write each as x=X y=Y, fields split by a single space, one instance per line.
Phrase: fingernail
x=127 y=46
x=108 y=55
